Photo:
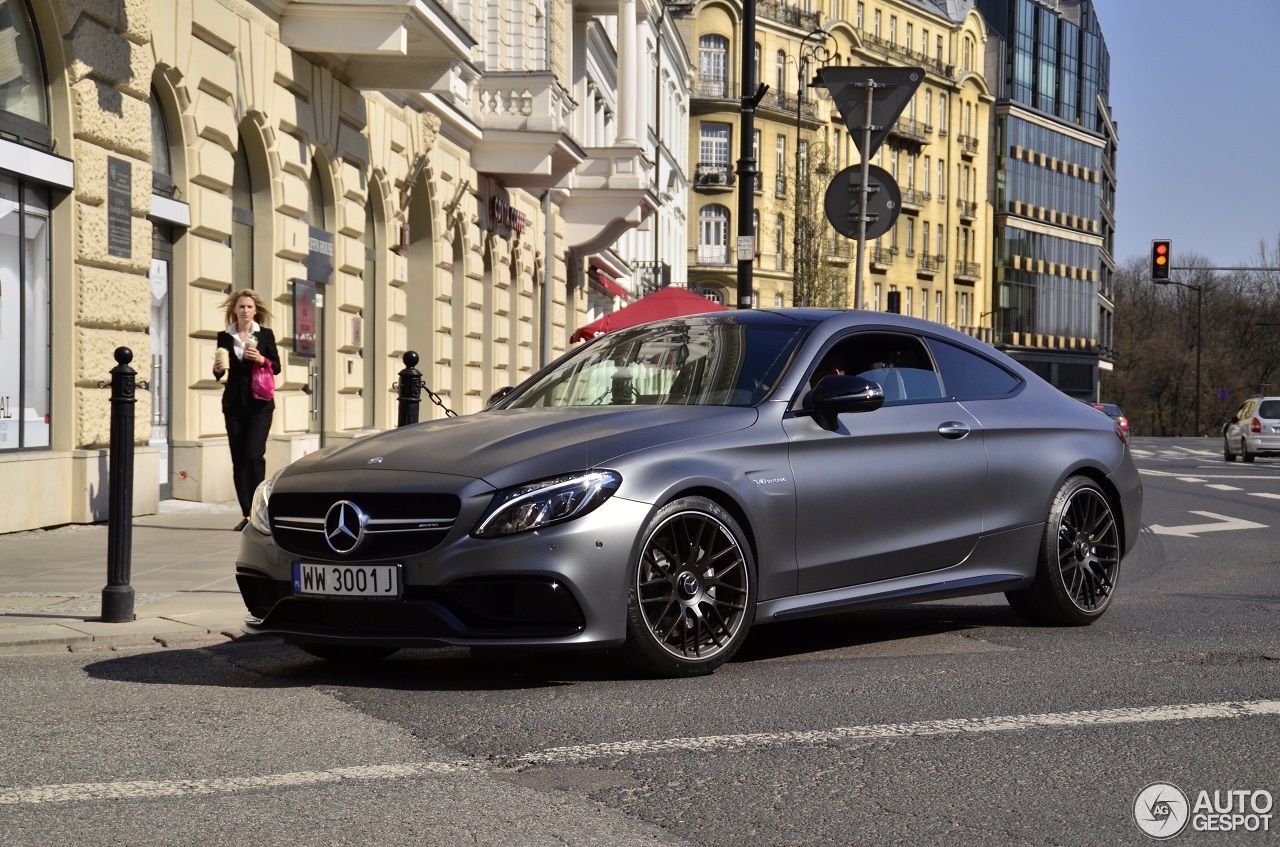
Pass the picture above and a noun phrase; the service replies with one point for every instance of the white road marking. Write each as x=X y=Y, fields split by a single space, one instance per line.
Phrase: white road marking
x=1223 y=487
x=1190 y=479
x=1195 y=452
x=1222 y=522
x=1266 y=494
x=110 y=791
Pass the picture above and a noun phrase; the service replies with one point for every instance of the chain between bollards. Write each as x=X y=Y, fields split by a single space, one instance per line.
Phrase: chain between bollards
x=117 y=596
x=409 y=388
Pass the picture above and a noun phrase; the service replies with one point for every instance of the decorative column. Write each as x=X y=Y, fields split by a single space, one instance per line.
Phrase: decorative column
x=628 y=91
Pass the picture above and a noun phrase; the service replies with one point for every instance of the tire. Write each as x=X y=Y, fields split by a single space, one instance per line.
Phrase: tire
x=1079 y=561
x=1227 y=455
x=347 y=654
x=1245 y=454
x=692 y=591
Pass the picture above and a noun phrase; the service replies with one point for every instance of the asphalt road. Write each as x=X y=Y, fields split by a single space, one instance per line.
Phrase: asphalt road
x=948 y=723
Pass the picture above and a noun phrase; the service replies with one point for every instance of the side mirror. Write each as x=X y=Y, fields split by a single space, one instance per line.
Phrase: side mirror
x=837 y=394
x=498 y=395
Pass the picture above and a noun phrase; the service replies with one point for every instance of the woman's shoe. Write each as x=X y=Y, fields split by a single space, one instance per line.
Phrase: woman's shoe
x=243 y=523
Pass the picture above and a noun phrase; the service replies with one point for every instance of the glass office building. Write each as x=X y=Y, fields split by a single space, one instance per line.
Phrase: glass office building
x=1054 y=188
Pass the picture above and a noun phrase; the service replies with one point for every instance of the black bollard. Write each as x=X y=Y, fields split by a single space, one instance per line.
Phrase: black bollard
x=117 y=597
x=409 y=390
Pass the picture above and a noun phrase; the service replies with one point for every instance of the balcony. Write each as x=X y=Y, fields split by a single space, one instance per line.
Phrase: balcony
x=906 y=54
x=909 y=130
x=968 y=271
x=713 y=176
x=928 y=266
x=839 y=250
x=785 y=13
x=968 y=145
x=913 y=199
x=712 y=254
x=881 y=259
x=383 y=45
x=720 y=90
x=787 y=104
x=968 y=211
x=524 y=118
x=609 y=193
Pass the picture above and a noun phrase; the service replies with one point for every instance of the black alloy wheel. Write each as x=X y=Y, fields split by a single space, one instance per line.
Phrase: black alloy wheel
x=1079 y=559
x=692 y=593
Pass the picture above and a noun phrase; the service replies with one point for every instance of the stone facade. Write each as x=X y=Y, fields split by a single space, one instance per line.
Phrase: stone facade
x=382 y=180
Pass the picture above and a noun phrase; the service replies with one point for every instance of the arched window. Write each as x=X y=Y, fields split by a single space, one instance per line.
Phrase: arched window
x=161 y=169
x=24 y=105
x=713 y=66
x=241 y=221
x=713 y=235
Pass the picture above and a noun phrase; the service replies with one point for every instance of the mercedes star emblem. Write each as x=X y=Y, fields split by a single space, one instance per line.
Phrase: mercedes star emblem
x=344 y=526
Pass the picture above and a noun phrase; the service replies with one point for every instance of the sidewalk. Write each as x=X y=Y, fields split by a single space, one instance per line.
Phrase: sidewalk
x=182 y=573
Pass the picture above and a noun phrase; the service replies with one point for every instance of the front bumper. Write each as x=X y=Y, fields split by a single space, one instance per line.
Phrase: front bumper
x=566 y=585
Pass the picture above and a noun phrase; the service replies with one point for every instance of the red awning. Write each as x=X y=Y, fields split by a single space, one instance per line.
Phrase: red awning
x=670 y=302
x=612 y=287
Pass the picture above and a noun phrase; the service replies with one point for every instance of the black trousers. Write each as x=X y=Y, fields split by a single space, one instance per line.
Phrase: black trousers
x=247 y=435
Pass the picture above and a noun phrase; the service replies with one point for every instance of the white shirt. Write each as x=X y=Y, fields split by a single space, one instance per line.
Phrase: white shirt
x=236 y=344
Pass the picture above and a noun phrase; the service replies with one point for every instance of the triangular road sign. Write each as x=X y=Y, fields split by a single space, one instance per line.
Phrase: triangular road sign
x=891 y=88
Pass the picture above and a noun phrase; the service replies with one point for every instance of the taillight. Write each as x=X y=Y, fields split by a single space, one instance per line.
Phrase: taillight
x=1124 y=422
x=1255 y=425
x=1122 y=434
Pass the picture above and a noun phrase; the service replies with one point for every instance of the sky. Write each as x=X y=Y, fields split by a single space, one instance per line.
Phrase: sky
x=1194 y=93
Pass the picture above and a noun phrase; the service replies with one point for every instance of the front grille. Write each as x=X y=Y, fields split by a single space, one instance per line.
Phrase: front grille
x=475 y=608
x=399 y=524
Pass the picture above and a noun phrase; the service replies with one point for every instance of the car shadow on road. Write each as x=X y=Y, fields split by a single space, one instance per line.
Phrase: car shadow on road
x=267 y=662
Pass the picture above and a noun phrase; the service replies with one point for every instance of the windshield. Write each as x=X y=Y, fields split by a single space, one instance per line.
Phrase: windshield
x=720 y=363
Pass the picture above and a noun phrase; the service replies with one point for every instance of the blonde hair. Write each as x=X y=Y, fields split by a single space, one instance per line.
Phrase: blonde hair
x=263 y=316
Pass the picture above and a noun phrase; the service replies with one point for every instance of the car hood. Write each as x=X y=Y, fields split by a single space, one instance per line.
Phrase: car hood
x=508 y=447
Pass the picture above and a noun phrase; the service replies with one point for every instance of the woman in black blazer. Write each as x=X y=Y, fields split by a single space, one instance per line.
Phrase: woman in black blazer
x=244 y=345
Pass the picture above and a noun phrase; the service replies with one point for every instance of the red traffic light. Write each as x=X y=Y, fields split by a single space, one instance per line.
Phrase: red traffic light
x=1160 y=250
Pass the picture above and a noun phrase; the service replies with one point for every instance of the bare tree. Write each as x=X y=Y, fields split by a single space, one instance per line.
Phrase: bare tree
x=816 y=279
x=1231 y=324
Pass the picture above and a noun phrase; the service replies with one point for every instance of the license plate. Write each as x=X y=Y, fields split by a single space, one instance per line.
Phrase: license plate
x=347 y=580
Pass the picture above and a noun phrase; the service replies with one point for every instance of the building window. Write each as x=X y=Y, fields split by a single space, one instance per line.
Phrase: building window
x=906 y=300
x=781 y=72
x=893 y=30
x=875 y=293
x=713 y=153
x=911 y=36
x=241 y=221
x=24 y=107
x=861 y=16
x=876 y=31
x=924 y=304
x=780 y=243
x=713 y=63
x=937 y=305
x=942 y=114
x=713 y=235
x=780 y=166
x=712 y=294
x=24 y=315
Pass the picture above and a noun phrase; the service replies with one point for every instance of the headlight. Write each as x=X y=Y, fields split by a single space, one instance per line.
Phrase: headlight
x=550 y=501
x=258 y=512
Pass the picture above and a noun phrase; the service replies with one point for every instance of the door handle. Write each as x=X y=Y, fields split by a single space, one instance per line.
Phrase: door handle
x=953 y=429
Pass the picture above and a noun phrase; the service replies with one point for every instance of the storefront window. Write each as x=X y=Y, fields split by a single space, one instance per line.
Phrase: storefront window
x=24 y=315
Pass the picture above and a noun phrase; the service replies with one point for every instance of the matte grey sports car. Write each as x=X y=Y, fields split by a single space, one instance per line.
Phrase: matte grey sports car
x=665 y=487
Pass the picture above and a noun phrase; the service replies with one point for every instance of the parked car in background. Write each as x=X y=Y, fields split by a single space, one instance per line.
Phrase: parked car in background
x=663 y=488
x=1112 y=411
x=1254 y=430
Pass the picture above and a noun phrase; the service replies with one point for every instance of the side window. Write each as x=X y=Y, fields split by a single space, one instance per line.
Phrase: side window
x=968 y=376
x=898 y=362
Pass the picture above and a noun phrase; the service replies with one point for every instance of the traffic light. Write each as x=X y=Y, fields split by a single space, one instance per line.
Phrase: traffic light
x=1161 y=248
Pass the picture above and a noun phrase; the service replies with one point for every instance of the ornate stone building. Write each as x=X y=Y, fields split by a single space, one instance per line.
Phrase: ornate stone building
x=435 y=177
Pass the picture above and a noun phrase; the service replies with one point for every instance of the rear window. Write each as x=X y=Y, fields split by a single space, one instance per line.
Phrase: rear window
x=968 y=376
x=1269 y=409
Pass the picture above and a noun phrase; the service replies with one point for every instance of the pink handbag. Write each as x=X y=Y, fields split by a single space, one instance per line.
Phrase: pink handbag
x=263 y=382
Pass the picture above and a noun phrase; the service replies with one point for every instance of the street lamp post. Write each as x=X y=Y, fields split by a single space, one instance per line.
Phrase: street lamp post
x=808 y=52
